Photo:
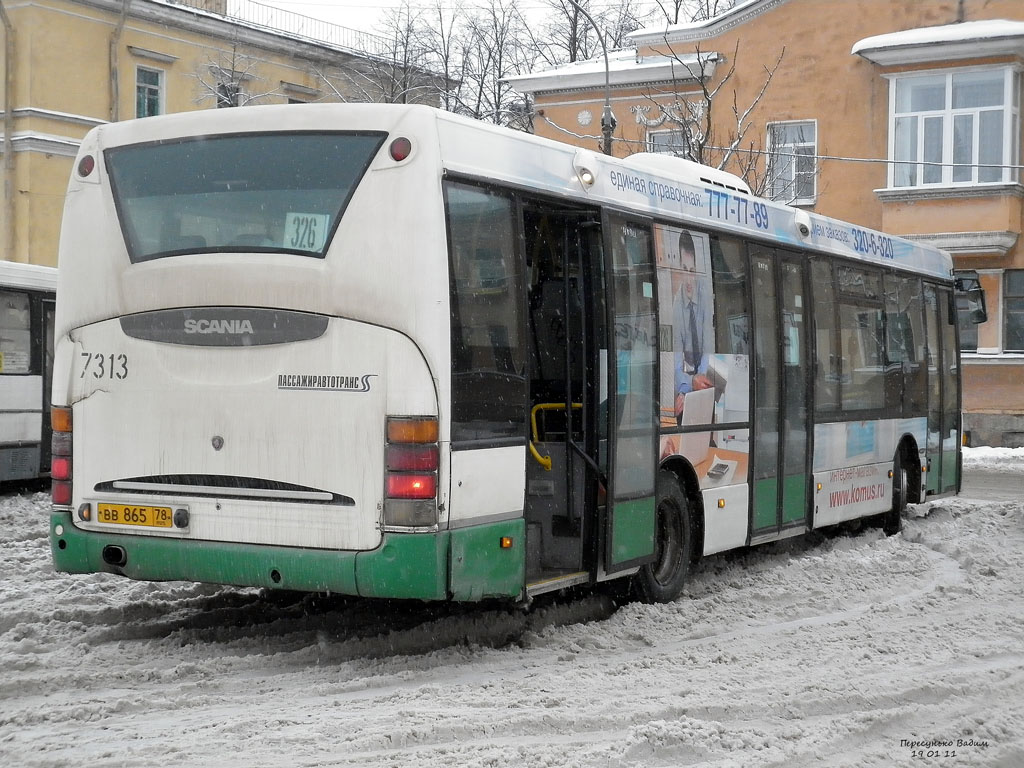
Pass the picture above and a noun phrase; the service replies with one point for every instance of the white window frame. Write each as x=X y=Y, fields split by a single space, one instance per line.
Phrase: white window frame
x=684 y=144
x=161 y=79
x=788 y=194
x=1011 y=149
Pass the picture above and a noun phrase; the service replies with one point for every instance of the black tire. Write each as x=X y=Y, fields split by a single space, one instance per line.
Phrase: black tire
x=892 y=521
x=662 y=580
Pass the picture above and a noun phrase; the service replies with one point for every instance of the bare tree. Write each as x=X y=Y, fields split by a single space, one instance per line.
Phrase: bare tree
x=696 y=126
x=231 y=78
x=491 y=51
x=683 y=11
x=399 y=74
x=568 y=36
x=444 y=40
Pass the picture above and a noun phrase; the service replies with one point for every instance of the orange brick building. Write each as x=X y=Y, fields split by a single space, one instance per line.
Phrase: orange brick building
x=900 y=115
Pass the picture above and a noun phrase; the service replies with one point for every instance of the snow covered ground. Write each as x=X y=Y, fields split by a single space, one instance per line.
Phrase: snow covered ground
x=840 y=650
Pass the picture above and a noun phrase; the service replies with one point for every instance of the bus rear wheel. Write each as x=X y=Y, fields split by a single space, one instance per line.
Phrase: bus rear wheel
x=662 y=580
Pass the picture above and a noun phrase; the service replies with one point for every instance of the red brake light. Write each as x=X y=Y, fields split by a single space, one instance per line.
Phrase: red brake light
x=412 y=486
x=60 y=468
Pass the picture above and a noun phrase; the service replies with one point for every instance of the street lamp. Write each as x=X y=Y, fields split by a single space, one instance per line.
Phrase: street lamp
x=607 y=118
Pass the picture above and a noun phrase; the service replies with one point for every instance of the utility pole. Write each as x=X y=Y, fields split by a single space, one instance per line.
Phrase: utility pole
x=607 y=117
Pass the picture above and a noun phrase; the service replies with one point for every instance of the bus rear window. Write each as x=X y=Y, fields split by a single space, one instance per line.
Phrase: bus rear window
x=241 y=193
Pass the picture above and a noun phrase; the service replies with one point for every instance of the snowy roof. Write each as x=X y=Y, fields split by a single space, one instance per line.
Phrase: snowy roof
x=625 y=68
x=969 y=40
x=701 y=30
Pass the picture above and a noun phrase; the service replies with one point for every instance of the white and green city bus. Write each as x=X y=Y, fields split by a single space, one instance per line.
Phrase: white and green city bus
x=382 y=350
x=26 y=361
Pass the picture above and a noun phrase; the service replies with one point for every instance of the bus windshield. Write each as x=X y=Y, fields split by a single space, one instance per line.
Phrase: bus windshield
x=242 y=193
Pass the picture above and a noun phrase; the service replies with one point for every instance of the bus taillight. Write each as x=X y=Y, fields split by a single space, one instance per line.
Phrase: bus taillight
x=412 y=430
x=412 y=457
x=60 y=462
x=412 y=486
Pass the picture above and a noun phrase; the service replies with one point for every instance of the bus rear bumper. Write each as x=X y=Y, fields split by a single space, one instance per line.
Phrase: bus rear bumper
x=437 y=566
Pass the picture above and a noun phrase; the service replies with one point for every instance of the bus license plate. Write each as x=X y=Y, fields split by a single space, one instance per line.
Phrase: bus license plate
x=134 y=514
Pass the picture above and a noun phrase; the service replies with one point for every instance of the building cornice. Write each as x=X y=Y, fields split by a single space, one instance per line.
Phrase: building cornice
x=300 y=90
x=992 y=358
x=592 y=95
x=704 y=30
x=950 y=42
x=621 y=74
x=44 y=143
x=61 y=117
x=915 y=194
x=969 y=243
x=145 y=53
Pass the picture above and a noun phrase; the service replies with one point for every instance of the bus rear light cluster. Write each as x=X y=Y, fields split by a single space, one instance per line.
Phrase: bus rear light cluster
x=412 y=458
x=60 y=461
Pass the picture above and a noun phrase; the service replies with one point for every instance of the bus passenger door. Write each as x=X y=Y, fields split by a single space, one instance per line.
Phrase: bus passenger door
x=782 y=379
x=632 y=408
x=943 y=391
x=566 y=322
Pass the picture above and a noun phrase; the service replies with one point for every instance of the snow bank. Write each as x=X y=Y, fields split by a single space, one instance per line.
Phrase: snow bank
x=994 y=459
x=848 y=649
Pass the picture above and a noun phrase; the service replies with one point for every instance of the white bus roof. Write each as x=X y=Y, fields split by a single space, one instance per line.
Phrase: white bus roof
x=661 y=187
x=34 y=277
x=693 y=173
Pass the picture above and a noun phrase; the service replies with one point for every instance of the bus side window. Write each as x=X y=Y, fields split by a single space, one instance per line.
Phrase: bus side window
x=488 y=383
x=905 y=382
x=15 y=333
x=862 y=339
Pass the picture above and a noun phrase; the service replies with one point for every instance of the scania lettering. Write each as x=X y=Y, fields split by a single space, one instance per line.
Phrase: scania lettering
x=218 y=326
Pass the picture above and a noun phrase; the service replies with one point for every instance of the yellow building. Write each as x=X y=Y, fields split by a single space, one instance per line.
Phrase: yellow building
x=901 y=115
x=70 y=65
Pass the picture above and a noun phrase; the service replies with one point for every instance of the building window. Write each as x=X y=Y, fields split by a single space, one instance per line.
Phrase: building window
x=674 y=142
x=1013 y=310
x=229 y=94
x=148 y=91
x=792 y=163
x=968 y=330
x=955 y=128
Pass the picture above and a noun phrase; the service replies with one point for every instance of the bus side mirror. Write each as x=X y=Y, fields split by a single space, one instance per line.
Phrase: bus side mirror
x=971 y=291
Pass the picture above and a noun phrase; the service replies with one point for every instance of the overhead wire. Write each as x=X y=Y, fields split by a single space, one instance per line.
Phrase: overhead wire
x=780 y=153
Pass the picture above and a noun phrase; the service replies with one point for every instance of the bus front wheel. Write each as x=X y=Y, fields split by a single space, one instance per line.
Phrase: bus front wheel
x=662 y=580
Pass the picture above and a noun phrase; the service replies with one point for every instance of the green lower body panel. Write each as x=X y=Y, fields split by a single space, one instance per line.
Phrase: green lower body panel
x=949 y=470
x=794 y=499
x=633 y=524
x=413 y=565
x=766 y=503
x=481 y=567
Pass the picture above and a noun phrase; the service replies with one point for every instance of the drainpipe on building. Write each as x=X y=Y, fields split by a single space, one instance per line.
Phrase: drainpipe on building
x=115 y=42
x=8 y=133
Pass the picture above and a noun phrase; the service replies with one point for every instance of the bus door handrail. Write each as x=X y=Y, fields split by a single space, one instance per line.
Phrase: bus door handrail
x=545 y=461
